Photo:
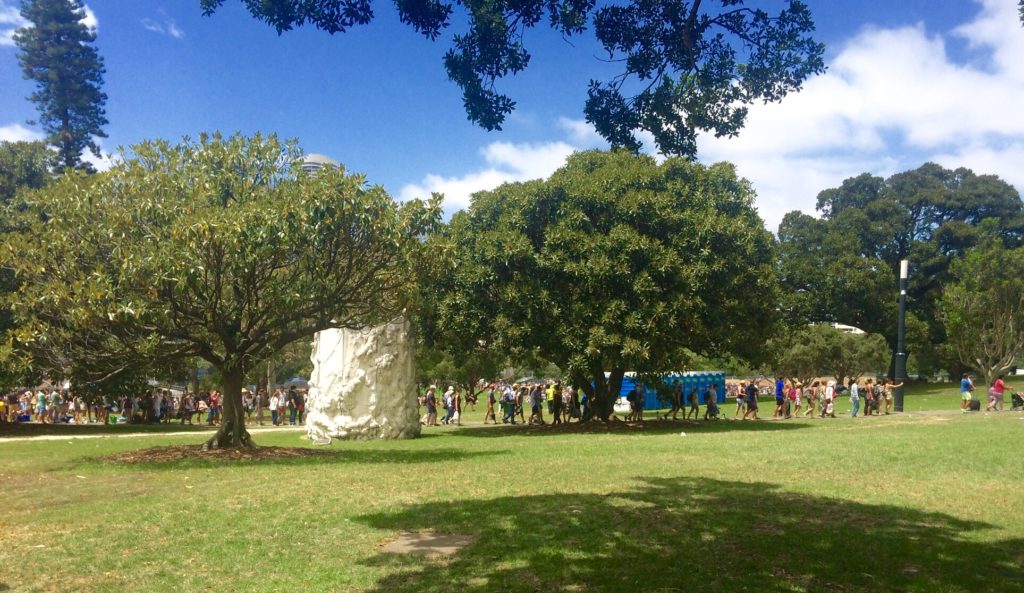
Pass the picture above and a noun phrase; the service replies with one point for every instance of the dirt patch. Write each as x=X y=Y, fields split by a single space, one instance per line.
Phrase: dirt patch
x=429 y=544
x=192 y=452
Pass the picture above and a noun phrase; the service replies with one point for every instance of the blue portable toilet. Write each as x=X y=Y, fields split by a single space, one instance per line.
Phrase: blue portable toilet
x=701 y=380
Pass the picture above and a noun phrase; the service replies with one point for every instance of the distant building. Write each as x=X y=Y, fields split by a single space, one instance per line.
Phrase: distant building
x=312 y=163
x=848 y=329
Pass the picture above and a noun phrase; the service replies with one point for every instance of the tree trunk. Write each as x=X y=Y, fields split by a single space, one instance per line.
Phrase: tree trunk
x=232 y=433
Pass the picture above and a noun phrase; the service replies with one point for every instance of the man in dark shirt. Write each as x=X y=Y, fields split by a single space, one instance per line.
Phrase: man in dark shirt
x=300 y=406
x=751 y=397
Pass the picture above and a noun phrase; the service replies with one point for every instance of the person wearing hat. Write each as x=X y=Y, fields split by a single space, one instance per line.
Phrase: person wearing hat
x=430 y=401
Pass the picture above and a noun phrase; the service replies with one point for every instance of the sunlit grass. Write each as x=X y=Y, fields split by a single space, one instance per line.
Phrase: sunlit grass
x=730 y=506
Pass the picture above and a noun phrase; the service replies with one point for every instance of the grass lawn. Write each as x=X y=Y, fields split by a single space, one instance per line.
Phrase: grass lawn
x=928 y=503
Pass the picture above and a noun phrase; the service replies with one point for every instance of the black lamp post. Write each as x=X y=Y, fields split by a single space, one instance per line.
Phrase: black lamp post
x=901 y=341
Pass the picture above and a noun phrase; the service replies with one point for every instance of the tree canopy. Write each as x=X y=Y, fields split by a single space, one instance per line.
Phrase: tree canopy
x=687 y=67
x=23 y=166
x=983 y=310
x=821 y=349
x=615 y=263
x=844 y=266
x=56 y=51
x=220 y=248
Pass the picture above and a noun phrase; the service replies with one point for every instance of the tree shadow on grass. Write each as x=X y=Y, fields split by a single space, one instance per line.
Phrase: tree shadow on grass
x=326 y=456
x=688 y=534
x=649 y=427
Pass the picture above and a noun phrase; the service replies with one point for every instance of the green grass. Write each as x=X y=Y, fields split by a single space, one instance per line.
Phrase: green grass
x=905 y=503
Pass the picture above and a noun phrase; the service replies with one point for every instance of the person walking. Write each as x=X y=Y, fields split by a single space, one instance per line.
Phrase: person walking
x=522 y=400
x=812 y=399
x=887 y=394
x=780 y=397
x=999 y=391
x=557 y=408
x=694 y=404
x=737 y=392
x=854 y=398
x=711 y=403
x=491 y=400
x=508 y=403
x=750 y=393
x=300 y=406
x=214 y=416
x=275 y=401
x=289 y=401
x=537 y=405
x=828 y=403
x=456 y=418
x=966 y=395
x=186 y=408
x=677 y=400
x=868 y=395
x=430 y=401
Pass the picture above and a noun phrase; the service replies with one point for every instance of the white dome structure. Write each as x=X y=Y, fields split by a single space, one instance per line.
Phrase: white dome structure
x=312 y=163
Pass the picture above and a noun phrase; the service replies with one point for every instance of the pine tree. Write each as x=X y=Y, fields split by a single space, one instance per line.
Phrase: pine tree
x=57 y=53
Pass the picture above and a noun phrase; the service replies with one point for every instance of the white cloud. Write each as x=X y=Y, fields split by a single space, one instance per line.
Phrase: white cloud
x=891 y=100
x=163 y=25
x=103 y=162
x=506 y=163
x=18 y=133
x=10 y=20
x=582 y=133
x=90 y=19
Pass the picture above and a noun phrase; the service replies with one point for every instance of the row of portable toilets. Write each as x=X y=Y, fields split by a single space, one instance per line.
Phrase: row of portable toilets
x=702 y=380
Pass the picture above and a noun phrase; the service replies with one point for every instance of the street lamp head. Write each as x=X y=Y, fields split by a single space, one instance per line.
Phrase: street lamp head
x=904 y=269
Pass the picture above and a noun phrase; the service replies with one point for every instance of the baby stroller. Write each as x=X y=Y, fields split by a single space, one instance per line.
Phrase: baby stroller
x=1017 y=400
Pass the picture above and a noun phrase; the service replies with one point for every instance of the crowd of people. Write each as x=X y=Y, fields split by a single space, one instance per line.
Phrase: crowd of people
x=543 y=399
x=819 y=396
x=561 y=403
x=512 y=400
x=792 y=398
x=62 y=406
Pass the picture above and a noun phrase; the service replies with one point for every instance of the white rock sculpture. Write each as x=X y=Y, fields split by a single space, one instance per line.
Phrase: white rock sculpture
x=363 y=384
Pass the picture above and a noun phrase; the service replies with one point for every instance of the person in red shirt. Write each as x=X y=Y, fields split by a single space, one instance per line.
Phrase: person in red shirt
x=998 y=393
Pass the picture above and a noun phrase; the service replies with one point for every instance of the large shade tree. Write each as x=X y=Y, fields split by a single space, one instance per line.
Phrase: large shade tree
x=687 y=66
x=57 y=53
x=844 y=266
x=24 y=166
x=614 y=264
x=221 y=249
x=820 y=349
x=983 y=310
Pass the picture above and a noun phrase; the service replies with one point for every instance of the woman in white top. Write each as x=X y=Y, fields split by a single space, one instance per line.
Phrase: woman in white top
x=275 y=401
x=828 y=407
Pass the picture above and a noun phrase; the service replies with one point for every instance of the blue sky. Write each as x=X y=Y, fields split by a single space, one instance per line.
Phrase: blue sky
x=908 y=82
